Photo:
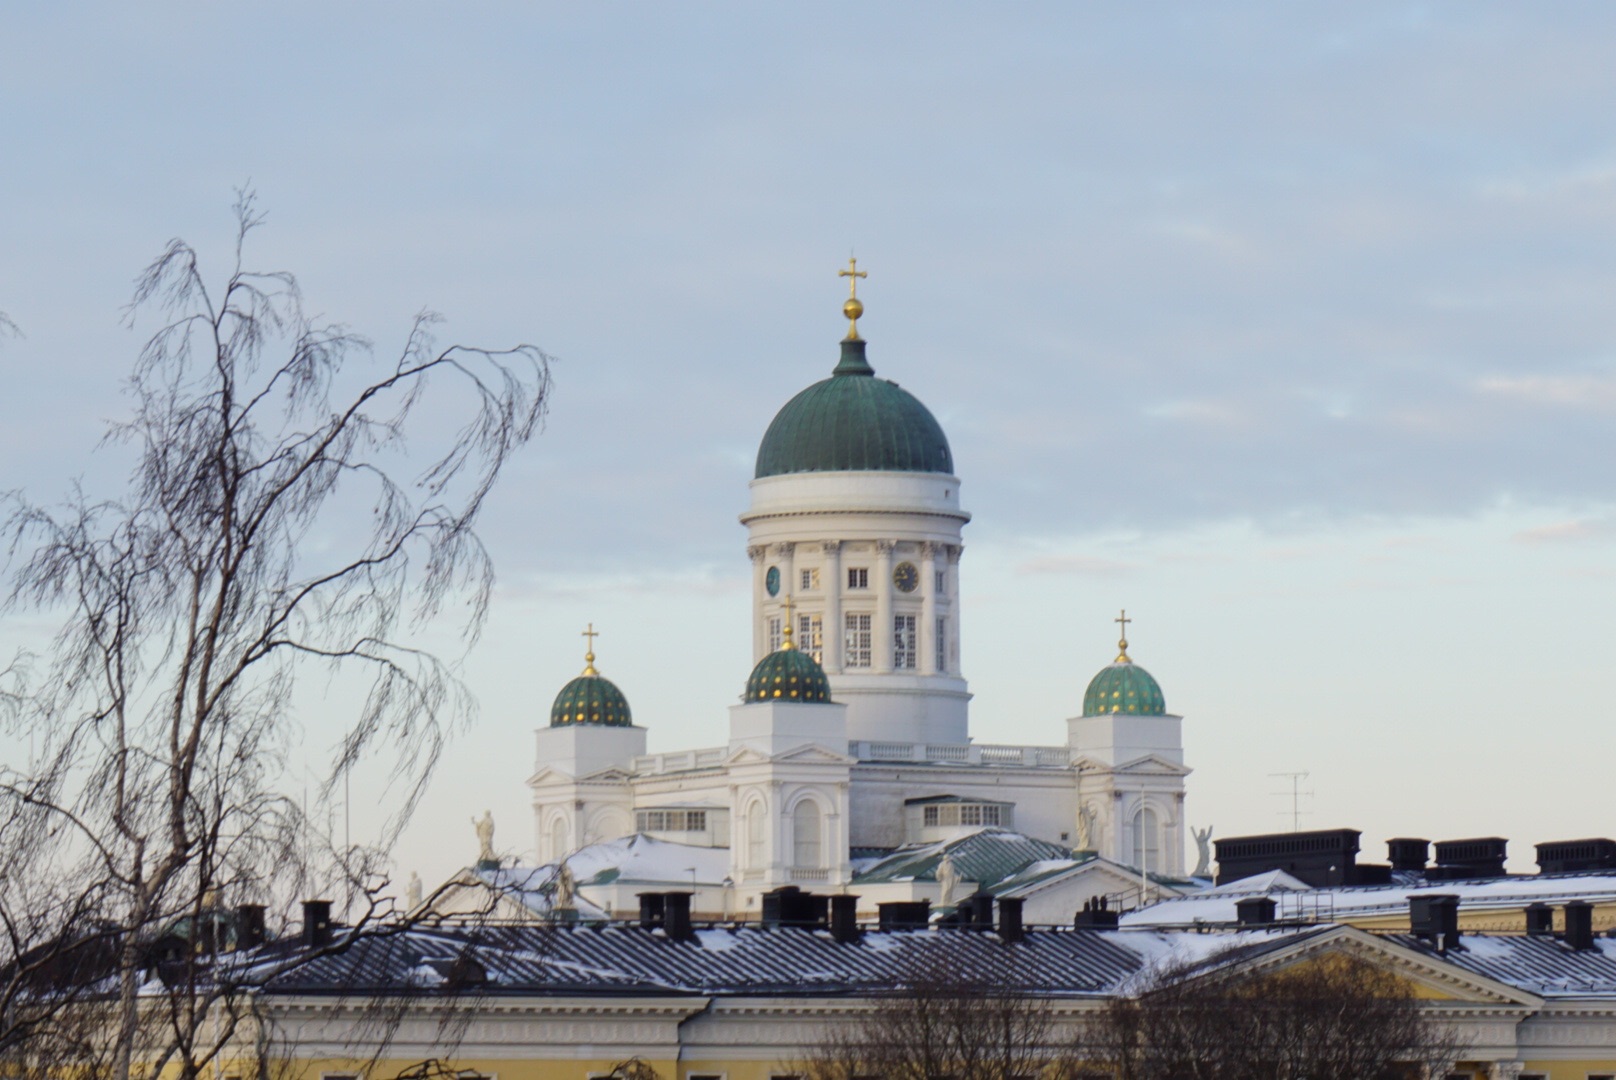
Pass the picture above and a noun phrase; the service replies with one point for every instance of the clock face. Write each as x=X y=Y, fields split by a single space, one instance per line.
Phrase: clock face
x=771 y=581
x=905 y=576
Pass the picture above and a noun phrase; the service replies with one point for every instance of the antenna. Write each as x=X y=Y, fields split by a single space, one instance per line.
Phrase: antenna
x=1297 y=794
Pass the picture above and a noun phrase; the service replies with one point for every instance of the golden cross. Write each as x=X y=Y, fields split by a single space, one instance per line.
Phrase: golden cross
x=854 y=273
x=591 y=634
x=786 y=604
x=1123 y=643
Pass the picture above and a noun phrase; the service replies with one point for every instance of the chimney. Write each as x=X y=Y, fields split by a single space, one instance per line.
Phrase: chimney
x=844 y=919
x=249 y=926
x=981 y=911
x=652 y=910
x=676 y=916
x=1010 y=929
x=1407 y=853
x=316 y=922
x=1579 y=924
x=904 y=914
x=1539 y=920
x=1435 y=917
x=1255 y=911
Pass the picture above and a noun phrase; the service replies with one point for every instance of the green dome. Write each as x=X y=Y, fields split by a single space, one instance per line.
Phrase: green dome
x=854 y=422
x=591 y=698
x=788 y=674
x=1124 y=687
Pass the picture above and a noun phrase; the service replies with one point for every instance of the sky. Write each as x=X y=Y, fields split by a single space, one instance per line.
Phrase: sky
x=1288 y=328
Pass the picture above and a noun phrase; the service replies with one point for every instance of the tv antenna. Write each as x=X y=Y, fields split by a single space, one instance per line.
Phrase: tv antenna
x=1297 y=794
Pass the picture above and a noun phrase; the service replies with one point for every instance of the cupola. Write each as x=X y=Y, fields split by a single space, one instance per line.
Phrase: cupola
x=591 y=698
x=1123 y=686
x=788 y=674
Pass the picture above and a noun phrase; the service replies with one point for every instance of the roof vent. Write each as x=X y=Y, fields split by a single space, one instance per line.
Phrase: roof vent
x=1408 y=853
x=1572 y=856
x=904 y=914
x=1477 y=858
x=790 y=906
x=653 y=910
x=1255 y=911
x=1579 y=924
x=1539 y=919
x=1010 y=928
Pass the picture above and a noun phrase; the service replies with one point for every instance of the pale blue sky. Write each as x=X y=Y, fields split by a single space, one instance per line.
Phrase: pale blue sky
x=1289 y=328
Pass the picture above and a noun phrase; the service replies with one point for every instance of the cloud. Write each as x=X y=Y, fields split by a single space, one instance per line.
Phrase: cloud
x=1597 y=392
x=1566 y=532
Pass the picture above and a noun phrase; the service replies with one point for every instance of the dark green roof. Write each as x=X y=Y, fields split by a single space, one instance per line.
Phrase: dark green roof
x=788 y=674
x=591 y=698
x=1124 y=687
x=987 y=856
x=854 y=422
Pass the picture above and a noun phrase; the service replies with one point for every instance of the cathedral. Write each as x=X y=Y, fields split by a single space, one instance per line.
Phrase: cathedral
x=851 y=749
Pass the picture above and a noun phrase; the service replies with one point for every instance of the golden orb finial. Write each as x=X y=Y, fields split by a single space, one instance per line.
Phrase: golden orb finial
x=854 y=307
x=1122 y=643
x=785 y=635
x=589 y=655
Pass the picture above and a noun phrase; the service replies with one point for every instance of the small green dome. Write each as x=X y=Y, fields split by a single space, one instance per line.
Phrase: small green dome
x=591 y=698
x=1124 y=687
x=788 y=674
x=854 y=422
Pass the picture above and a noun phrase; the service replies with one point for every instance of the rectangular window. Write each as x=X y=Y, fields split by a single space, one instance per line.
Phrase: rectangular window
x=942 y=645
x=774 y=633
x=856 y=644
x=942 y=581
x=858 y=577
x=671 y=821
x=929 y=815
x=903 y=642
x=811 y=637
x=810 y=580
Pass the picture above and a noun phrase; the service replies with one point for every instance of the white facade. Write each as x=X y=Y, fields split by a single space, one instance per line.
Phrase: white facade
x=866 y=566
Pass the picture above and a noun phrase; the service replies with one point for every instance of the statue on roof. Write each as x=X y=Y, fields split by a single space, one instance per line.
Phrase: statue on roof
x=412 y=892
x=566 y=887
x=485 y=839
x=948 y=880
x=1203 y=851
x=1086 y=815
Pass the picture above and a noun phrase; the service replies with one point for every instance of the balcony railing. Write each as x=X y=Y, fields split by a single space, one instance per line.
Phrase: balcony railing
x=1040 y=757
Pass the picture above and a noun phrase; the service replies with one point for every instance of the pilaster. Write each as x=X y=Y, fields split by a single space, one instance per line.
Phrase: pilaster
x=882 y=643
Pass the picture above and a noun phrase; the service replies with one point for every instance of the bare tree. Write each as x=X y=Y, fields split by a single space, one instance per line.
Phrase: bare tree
x=942 y=1022
x=265 y=536
x=1328 y=1017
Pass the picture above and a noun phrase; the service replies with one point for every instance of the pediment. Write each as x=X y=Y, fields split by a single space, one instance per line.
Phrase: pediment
x=1430 y=977
x=550 y=775
x=1151 y=765
x=806 y=754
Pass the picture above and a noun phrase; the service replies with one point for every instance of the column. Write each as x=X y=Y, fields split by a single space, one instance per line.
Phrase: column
x=957 y=651
x=786 y=555
x=928 y=609
x=757 y=553
x=883 y=607
x=833 y=585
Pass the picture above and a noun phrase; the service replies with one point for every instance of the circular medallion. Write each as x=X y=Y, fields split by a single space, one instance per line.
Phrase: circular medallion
x=905 y=577
x=771 y=581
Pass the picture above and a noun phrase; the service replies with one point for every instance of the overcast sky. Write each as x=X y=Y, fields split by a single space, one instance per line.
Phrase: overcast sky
x=1287 y=327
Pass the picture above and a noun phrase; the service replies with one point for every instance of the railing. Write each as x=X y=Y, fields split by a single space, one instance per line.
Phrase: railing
x=799 y=873
x=680 y=760
x=1042 y=757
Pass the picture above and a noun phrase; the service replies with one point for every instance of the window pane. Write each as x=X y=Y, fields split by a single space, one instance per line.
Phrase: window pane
x=810 y=636
x=774 y=633
x=903 y=641
x=942 y=645
x=856 y=644
x=805 y=835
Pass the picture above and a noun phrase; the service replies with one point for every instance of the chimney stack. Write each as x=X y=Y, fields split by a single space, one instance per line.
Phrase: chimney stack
x=1435 y=917
x=249 y=926
x=1539 y=920
x=652 y=910
x=1579 y=924
x=1010 y=928
x=904 y=914
x=316 y=922
x=844 y=919
x=676 y=916
x=1408 y=853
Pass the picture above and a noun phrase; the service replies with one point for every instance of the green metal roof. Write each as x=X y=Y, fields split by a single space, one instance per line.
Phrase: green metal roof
x=854 y=422
x=591 y=699
x=788 y=674
x=987 y=856
x=1124 y=687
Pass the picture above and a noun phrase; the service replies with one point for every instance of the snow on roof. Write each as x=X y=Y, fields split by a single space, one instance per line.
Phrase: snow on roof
x=1217 y=905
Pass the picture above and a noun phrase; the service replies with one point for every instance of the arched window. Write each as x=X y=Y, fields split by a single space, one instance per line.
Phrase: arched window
x=756 y=835
x=560 y=842
x=1145 y=840
x=805 y=839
